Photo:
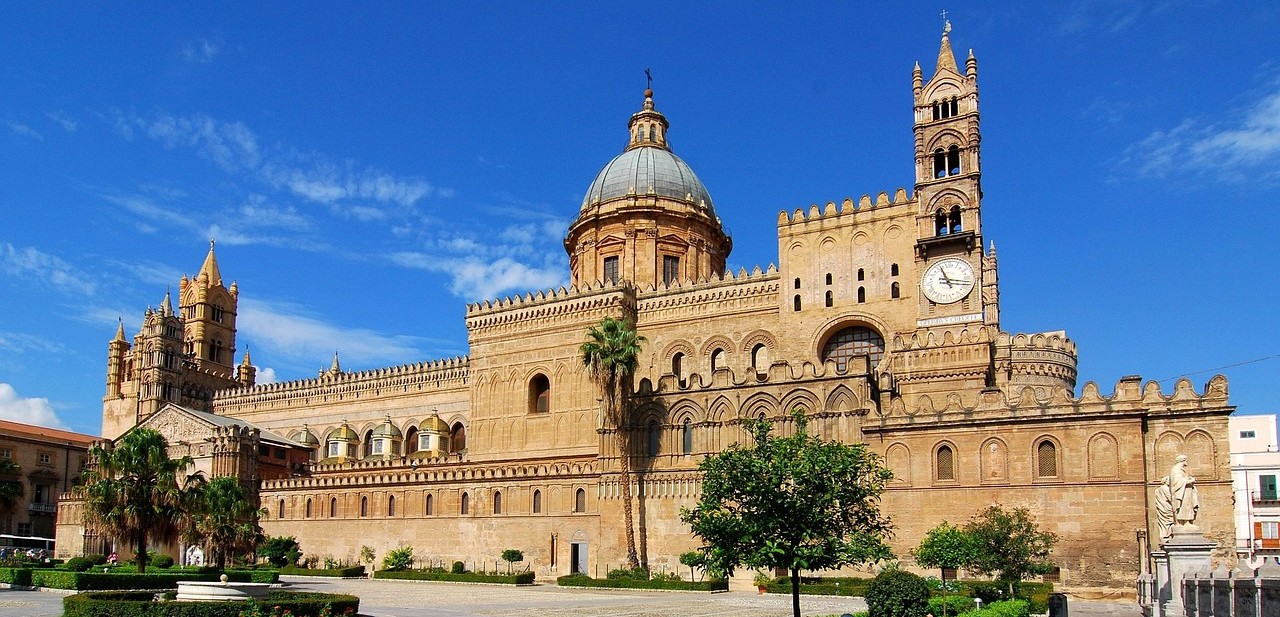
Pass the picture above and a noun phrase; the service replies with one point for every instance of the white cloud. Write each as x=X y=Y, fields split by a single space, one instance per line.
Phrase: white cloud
x=17 y=342
x=477 y=279
x=1245 y=147
x=231 y=145
x=290 y=331
x=35 y=411
x=200 y=52
x=23 y=130
x=265 y=375
x=318 y=180
x=66 y=122
x=29 y=262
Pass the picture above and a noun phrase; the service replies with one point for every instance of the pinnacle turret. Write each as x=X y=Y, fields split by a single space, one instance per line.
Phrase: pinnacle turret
x=648 y=126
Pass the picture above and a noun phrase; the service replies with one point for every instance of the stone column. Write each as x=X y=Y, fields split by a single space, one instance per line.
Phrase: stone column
x=1186 y=553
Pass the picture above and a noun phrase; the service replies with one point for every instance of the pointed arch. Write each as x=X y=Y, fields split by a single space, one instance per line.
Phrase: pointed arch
x=842 y=399
x=994 y=460
x=1201 y=455
x=1104 y=457
x=898 y=458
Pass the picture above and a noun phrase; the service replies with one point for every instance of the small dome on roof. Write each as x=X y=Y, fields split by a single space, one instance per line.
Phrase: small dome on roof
x=344 y=433
x=306 y=437
x=387 y=429
x=435 y=425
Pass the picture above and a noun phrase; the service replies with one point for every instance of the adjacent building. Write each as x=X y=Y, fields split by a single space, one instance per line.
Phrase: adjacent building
x=1255 y=466
x=49 y=462
x=881 y=322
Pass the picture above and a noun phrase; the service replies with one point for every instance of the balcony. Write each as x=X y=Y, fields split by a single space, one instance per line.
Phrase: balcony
x=42 y=508
x=1265 y=498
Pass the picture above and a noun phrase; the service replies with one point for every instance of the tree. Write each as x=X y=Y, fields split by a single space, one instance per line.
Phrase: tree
x=512 y=556
x=280 y=551
x=694 y=560
x=945 y=546
x=133 y=490
x=611 y=355
x=11 y=488
x=225 y=519
x=1009 y=544
x=797 y=502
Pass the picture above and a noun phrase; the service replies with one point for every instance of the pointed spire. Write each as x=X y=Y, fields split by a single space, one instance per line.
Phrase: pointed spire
x=335 y=368
x=648 y=126
x=246 y=361
x=166 y=305
x=971 y=65
x=946 y=59
x=210 y=268
x=119 y=332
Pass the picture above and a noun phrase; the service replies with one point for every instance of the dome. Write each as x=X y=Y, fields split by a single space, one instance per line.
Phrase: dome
x=435 y=425
x=648 y=171
x=344 y=433
x=306 y=438
x=387 y=429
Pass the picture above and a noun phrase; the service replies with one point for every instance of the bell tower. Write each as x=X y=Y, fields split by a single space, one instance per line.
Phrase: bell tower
x=209 y=312
x=949 y=190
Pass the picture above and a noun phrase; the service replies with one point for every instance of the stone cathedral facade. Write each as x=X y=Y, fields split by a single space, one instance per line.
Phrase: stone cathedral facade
x=881 y=322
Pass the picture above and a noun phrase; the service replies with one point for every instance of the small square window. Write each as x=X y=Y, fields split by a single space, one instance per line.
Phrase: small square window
x=6 y=453
x=377 y=446
x=46 y=458
x=1248 y=434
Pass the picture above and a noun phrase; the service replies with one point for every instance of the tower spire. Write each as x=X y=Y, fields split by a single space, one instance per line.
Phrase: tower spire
x=119 y=331
x=166 y=305
x=210 y=267
x=946 y=58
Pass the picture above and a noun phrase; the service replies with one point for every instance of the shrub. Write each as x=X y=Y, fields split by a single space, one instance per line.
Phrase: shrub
x=162 y=561
x=16 y=576
x=299 y=604
x=523 y=578
x=988 y=592
x=398 y=559
x=96 y=559
x=822 y=586
x=336 y=572
x=582 y=580
x=897 y=593
x=511 y=556
x=637 y=574
x=280 y=551
x=458 y=568
x=78 y=564
x=955 y=605
x=1005 y=608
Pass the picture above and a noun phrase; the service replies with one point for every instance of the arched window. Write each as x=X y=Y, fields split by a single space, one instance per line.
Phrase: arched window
x=944 y=463
x=937 y=111
x=677 y=367
x=862 y=274
x=411 y=441
x=953 y=160
x=954 y=107
x=465 y=508
x=333 y=507
x=796 y=302
x=830 y=298
x=939 y=163
x=497 y=502
x=655 y=437
x=797 y=283
x=457 y=438
x=717 y=359
x=940 y=223
x=539 y=394
x=956 y=225
x=862 y=295
x=653 y=132
x=537 y=502
x=308 y=508
x=853 y=341
x=580 y=501
x=364 y=507
x=895 y=292
x=280 y=510
x=893 y=269
x=686 y=437
x=391 y=505
x=368 y=444
x=828 y=278
x=429 y=505
x=1046 y=459
x=760 y=358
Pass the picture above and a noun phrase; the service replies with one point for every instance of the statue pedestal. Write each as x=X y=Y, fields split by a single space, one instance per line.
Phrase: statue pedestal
x=1183 y=554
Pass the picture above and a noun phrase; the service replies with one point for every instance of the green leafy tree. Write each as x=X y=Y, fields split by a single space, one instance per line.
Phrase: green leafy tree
x=897 y=593
x=611 y=355
x=945 y=546
x=512 y=556
x=694 y=560
x=280 y=551
x=1010 y=544
x=134 y=491
x=797 y=502
x=398 y=559
x=225 y=519
x=11 y=488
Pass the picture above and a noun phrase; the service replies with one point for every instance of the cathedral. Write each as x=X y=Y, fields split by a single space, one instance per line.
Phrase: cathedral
x=881 y=323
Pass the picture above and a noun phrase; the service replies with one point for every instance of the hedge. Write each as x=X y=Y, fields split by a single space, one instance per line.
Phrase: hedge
x=350 y=572
x=822 y=586
x=95 y=581
x=579 y=580
x=523 y=578
x=16 y=576
x=1004 y=608
x=138 y=604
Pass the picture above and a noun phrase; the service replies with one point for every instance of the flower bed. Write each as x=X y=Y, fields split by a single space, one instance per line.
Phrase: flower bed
x=582 y=580
x=141 y=604
x=523 y=578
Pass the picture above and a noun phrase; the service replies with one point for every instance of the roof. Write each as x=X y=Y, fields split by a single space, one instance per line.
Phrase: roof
x=44 y=433
x=648 y=171
x=264 y=435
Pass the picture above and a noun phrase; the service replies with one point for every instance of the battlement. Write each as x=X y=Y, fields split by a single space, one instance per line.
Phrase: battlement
x=778 y=372
x=1054 y=341
x=728 y=278
x=428 y=470
x=846 y=208
x=574 y=302
x=931 y=338
x=452 y=372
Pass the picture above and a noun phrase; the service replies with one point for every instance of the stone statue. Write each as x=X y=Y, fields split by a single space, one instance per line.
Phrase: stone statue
x=1182 y=490
x=1164 y=509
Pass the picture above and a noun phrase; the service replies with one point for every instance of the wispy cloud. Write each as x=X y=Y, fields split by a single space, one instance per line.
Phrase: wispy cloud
x=37 y=411
x=23 y=130
x=291 y=332
x=474 y=278
x=1243 y=147
x=202 y=51
x=321 y=181
x=31 y=263
x=230 y=145
x=19 y=343
x=63 y=120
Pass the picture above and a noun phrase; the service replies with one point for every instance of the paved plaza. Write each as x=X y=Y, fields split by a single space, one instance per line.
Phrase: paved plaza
x=379 y=598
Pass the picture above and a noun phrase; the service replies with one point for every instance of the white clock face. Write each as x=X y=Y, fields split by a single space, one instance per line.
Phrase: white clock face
x=947 y=281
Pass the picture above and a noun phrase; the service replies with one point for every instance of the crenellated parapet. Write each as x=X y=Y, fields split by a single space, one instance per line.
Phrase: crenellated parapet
x=847 y=208
x=993 y=405
x=778 y=373
x=371 y=474
x=745 y=291
x=550 y=305
x=1046 y=359
x=439 y=374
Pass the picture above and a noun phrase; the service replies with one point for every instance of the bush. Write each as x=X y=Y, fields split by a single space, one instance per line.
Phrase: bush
x=300 y=604
x=16 y=576
x=162 y=561
x=582 y=580
x=636 y=574
x=989 y=593
x=280 y=551
x=1036 y=595
x=458 y=568
x=96 y=559
x=78 y=564
x=820 y=586
x=1005 y=608
x=398 y=559
x=955 y=605
x=337 y=572
x=897 y=593
x=523 y=578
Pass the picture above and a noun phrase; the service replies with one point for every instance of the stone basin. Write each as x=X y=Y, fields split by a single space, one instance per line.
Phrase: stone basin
x=224 y=591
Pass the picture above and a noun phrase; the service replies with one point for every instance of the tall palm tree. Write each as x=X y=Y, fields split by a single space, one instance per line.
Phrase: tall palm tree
x=611 y=356
x=11 y=488
x=226 y=520
x=133 y=490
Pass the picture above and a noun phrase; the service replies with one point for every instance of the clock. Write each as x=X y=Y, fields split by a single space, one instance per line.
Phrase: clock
x=947 y=281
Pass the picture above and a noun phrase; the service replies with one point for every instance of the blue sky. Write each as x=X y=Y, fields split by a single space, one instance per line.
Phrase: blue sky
x=367 y=169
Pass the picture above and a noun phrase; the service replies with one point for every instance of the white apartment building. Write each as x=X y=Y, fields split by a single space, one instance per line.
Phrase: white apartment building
x=1255 y=466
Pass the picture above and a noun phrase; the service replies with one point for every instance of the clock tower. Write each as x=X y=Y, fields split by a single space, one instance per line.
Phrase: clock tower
x=948 y=250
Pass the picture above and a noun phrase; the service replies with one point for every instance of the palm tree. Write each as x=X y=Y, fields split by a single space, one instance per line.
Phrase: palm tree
x=11 y=489
x=611 y=355
x=226 y=520
x=133 y=490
